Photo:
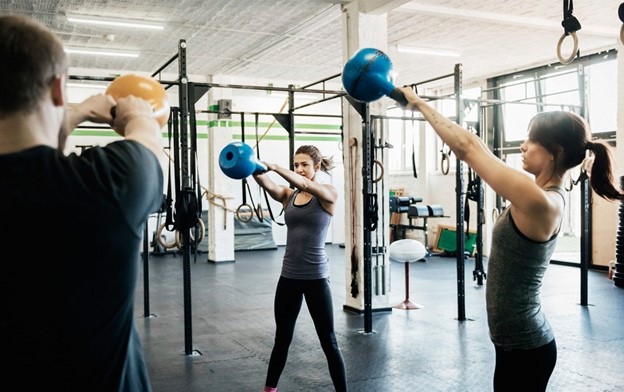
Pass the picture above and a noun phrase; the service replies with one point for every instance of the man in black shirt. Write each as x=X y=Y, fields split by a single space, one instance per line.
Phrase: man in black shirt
x=71 y=224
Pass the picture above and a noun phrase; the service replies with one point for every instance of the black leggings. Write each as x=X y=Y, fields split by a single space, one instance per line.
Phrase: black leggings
x=524 y=370
x=288 y=300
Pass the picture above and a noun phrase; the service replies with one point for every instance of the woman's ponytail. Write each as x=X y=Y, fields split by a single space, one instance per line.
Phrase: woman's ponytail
x=601 y=175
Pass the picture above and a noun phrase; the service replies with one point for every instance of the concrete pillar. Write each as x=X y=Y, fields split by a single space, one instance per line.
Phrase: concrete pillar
x=220 y=218
x=363 y=26
x=619 y=138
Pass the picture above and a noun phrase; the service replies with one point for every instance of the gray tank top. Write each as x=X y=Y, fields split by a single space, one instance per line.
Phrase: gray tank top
x=307 y=224
x=516 y=267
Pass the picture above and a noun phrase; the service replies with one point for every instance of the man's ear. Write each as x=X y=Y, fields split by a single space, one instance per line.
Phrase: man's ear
x=57 y=90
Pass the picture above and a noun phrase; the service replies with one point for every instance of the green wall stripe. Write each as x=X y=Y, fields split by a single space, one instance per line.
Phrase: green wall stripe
x=318 y=138
x=94 y=132
x=263 y=126
x=249 y=130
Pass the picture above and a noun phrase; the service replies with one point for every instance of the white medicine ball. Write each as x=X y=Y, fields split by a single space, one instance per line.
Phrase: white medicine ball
x=407 y=250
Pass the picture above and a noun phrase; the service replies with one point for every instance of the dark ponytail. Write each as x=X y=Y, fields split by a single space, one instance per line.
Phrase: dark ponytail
x=601 y=175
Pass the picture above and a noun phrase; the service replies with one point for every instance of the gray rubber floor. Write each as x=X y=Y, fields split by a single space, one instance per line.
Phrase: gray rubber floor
x=217 y=334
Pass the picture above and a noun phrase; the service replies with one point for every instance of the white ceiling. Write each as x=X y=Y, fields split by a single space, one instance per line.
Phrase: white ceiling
x=301 y=40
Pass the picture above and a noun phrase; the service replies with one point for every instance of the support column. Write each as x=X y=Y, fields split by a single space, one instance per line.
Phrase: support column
x=619 y=134
x=220 y=220
x=362 y=27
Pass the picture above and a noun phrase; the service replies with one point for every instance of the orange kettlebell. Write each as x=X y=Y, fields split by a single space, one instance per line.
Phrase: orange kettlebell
x=143 y=87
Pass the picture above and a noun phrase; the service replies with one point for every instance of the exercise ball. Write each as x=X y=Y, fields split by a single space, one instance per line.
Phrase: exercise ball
x=407 y=250
x=237 y=161
x=143 y=87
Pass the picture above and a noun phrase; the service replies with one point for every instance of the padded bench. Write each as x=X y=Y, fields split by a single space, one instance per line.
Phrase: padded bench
x=414 y=211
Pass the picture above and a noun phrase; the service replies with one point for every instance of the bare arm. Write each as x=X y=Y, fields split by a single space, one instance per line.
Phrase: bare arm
x=279 y=193
x=527 y=198
x=134 y=120
x=96 y=108
x=326 y=193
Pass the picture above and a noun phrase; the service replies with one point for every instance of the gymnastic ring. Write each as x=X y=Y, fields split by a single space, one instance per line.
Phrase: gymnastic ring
x=569 y=59
x=445 y=163
x=381 y=169
x=241 y=217
x=495 y=214
x=161 y=241
x=202 y=232
x=622 y=34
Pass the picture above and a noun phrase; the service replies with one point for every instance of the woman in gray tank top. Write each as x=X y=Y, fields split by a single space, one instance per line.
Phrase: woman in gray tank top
x=308 y=210
x=524 y=236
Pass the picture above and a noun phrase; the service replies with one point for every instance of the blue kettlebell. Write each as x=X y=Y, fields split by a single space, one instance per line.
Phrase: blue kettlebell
x=367 y=76
x=237 y=161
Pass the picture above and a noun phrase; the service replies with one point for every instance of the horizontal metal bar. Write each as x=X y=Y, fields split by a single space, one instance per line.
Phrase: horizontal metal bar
x=322 y=80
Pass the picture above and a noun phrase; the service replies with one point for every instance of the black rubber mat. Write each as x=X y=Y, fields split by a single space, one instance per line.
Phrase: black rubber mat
x=231 y=330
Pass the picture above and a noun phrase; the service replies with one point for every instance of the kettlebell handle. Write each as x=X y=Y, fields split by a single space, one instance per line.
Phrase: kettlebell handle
x=398 y=96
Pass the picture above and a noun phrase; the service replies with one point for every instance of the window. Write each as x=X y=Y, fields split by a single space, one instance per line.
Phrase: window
x=403 y=136
x=602 y=102
x=547 y=88
x=448 y=108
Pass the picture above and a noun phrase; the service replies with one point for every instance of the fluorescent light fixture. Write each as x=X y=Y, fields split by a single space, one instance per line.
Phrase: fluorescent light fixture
x=102 y=52
x=427 y=51
x=116 y=22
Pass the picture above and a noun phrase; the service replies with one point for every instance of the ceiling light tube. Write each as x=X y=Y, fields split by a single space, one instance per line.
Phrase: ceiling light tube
x=98 y=20
x=102 y=52
x=427 y=51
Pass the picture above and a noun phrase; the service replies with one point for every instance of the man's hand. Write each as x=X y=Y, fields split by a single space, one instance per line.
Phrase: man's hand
x=130 y=108
x=96 y=108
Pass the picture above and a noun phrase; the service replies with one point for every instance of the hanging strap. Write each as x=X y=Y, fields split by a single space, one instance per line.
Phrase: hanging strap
x=570 y=26
x=194 y=165
x=414 y=133
x=172 y=125
x=258 y=209
x=266 y=199
x=570 y=23
x=372 y=215
x=239 y=210
x=472 y=194
x=194 y=180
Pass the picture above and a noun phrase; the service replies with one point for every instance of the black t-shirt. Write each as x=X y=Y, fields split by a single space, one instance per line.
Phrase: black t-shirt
x=71 y=233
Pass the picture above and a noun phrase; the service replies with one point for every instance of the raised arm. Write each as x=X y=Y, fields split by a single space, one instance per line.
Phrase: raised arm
x=524 y=194
x=326 y=193
x=134 y=120
x=279 y=193
x=96 y=108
